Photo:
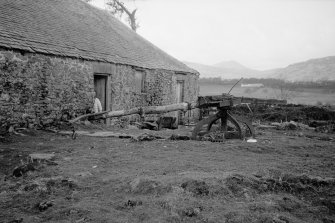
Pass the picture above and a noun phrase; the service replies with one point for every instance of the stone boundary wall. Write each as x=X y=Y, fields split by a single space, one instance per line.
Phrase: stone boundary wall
x=37 y=89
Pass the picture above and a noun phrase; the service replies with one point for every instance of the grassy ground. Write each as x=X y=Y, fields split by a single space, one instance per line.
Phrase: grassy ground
x=284 y=177
x=302 y=96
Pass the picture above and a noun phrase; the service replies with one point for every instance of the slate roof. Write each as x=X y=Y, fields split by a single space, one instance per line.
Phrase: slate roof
x=73 y=28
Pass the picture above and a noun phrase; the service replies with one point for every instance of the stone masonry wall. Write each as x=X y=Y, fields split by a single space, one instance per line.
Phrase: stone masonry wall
x=191 y=93
x=159 y=89
x=37 y=89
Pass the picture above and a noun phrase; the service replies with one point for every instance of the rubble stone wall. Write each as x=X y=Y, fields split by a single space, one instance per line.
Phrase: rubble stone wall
x=39 y=89
x=159 y=89
x=191 y=93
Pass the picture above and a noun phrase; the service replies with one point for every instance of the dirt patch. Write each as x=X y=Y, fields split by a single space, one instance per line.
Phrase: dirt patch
x=316 y=190
x=196 y=187
x=34 y=195
x=24 y=169
x=300 y=113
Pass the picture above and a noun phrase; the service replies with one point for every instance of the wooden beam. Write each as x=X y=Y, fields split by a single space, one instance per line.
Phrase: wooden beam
x=140 y=111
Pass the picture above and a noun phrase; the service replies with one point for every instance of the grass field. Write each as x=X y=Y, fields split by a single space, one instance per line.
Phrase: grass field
x=301 y=96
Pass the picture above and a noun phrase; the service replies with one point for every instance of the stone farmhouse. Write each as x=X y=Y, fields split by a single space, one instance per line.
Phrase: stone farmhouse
x=55 y=53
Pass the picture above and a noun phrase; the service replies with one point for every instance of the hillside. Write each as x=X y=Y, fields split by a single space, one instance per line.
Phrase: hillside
x=320 y=69
x=232 y=65
x=205 y=70
x=310 y=70
x=225 y=70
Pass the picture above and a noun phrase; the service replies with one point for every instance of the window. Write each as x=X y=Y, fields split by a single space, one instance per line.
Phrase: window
x=139 y=81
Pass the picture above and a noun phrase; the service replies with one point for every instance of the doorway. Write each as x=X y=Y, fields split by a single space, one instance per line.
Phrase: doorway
x=180 y=99
x=100 y=87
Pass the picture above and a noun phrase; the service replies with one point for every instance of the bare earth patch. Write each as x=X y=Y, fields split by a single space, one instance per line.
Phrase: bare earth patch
x=287 y=176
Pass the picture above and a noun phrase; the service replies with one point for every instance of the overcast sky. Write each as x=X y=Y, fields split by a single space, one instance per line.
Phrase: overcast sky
x=260 y=34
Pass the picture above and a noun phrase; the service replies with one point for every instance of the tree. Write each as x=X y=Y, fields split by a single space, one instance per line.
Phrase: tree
x=284 y=92
x=118 y=9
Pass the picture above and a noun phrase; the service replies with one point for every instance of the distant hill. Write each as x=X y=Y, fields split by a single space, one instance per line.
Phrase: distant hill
x=230 y=65
x=225 y=70
x=205 y=70
x=311 y=70
x=320 y=69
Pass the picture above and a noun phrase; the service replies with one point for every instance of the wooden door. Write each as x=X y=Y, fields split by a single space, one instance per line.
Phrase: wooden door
x=100 y=86
x=180 y=98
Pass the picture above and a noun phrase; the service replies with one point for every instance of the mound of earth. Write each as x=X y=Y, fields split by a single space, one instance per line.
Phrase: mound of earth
x=300 y=113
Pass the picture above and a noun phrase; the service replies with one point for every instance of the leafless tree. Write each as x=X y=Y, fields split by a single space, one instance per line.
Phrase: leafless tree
x=285 y=93
x=118 y=9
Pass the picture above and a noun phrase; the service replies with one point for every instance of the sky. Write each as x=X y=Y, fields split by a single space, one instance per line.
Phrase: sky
x=260 y=34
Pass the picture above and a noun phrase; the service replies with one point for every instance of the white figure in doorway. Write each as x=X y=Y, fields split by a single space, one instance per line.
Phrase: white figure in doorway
x=97 y=104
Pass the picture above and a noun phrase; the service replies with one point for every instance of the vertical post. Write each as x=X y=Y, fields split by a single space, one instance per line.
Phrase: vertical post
x=224 y=119
x=108 y=97
x=201 y=114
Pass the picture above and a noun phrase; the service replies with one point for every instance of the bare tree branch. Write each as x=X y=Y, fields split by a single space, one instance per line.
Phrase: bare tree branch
x=118 y=8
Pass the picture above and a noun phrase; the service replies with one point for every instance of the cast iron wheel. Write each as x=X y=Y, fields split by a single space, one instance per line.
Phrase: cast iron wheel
x=213 y=118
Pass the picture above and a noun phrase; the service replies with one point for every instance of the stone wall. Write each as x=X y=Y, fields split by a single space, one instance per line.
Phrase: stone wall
x=38 y=89
x=159 y=89
x=191 y=93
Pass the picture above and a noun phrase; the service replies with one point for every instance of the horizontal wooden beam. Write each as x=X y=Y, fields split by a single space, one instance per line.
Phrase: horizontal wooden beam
x=203 y=102
x=141 y=111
